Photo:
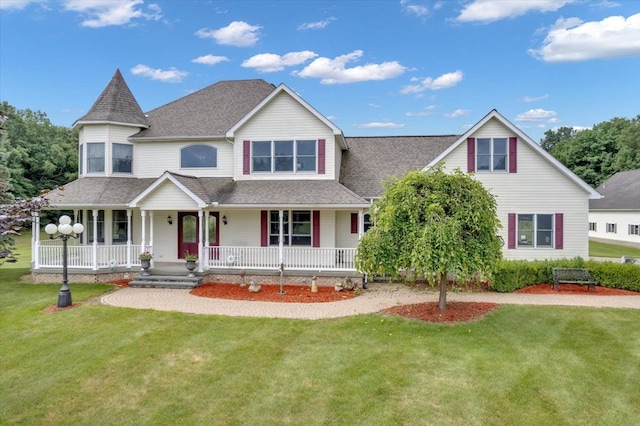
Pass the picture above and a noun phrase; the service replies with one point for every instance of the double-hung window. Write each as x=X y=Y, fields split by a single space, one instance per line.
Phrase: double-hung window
x=593 y=226
x=634 y=229
x=95 y=157
x=100 y=226
x=122 y=158
x=119 y=224
x=535 y=230
x=612 y=228
x=284 y=156
x=491 y=154
x=296 y=227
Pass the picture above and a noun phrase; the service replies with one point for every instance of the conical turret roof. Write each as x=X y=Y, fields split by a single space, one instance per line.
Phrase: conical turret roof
x=116 y=104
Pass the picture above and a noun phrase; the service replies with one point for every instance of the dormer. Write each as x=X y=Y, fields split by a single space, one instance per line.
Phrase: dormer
x=104 y=146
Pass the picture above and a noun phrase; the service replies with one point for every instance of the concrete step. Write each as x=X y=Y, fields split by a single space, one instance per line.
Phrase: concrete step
x=165 y=281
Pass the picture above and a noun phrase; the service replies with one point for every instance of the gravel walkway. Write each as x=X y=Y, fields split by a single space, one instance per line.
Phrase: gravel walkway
x=376 y=298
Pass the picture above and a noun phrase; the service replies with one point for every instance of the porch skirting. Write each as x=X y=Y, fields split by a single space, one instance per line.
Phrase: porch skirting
x=231 y=276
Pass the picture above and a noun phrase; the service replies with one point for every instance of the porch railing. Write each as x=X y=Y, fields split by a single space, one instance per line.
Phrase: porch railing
x=294 y=258
x=112 y=256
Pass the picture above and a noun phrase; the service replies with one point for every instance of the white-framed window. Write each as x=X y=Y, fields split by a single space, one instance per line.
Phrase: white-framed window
x=593 y=226
x=100 y=223
x=492 y=154
x=284 y=156
x=612 y=228
x=535 y=231
x=95 y=157
x=122 y=158
x=198 y=156
x=634 y=229
x=296 y=225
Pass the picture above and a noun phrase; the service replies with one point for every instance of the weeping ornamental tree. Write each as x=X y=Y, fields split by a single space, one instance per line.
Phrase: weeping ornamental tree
x=433 y=223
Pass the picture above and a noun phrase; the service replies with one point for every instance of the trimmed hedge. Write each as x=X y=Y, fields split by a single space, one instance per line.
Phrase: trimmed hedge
x=514 y=274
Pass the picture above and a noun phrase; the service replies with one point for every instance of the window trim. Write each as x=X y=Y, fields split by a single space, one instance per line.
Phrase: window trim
x=288 y=223
x=113 y=158
x=634 y=229
x=612 y=228
x=535 y=230
x=89 y=158
x=492 y=155
x=593 y=226
x=295 y=166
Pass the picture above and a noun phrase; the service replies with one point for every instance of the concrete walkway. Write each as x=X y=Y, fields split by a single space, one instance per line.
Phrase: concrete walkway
x=376 y=298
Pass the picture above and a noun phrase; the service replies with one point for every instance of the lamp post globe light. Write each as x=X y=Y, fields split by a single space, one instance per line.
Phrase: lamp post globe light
x=65 y=231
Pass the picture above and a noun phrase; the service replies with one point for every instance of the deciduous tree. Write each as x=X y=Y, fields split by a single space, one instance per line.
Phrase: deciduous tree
x=433 y=223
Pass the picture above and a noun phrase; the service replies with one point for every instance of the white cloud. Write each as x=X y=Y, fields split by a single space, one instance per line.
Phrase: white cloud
x=491 y=10
x=316 y=25
x=334 y=71
x=529 y=99
x=171 y=75
x=270 y=62
x=445 y=81
x=426 y=112
x=372 y=105
x=17 y=4
x=413 y=8
x=458 y=113
x=102 y=13
x=538 y=114
x=574 y=40
x=237 y=33
x=210 y=59
x=379 y=125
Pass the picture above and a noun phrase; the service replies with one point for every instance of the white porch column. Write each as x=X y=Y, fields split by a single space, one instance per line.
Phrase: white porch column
x=129 y=213
x=281 y=238
x=200 y=239
x=151 y=234
x=35 y=239
x=95 y=239
x=360 y=224
x=207 y=243
x=143 y=236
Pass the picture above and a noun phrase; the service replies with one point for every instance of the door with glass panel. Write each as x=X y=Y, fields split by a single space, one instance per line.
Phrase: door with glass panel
x=188 y=232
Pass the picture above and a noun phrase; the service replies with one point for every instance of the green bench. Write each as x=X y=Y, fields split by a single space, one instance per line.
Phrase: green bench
x=580 y=276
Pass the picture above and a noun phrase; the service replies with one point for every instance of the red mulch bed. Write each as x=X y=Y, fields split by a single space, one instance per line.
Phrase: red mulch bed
x=270 y=293
x=455 y=312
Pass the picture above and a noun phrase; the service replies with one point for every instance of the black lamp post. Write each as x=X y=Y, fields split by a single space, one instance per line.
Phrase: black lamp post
x=65 y=231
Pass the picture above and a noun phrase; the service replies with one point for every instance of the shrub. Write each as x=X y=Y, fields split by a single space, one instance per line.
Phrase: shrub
x=512 y=275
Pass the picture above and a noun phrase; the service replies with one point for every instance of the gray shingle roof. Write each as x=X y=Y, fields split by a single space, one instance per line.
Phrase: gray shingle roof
x=116 y=104
x=208 y=112
x=621 y=192
x=119 y=191
x=371 y=160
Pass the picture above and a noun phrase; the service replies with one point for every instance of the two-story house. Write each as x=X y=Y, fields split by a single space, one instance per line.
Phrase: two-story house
x=252 y=178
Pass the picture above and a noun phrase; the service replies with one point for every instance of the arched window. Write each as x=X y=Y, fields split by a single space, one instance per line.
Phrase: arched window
x=197 y=156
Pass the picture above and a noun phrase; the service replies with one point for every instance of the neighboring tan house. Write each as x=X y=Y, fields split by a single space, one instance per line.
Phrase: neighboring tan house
x=251 y=177
x=616 y=217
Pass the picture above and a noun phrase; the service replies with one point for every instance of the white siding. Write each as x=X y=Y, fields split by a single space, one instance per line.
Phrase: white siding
x=283 y=119
x=537 y=187
x=107 y=134
x=154 y=158
x=622 y=219
x=166 y=197
x=327 y=228
x=243 y=229
x=344 y=237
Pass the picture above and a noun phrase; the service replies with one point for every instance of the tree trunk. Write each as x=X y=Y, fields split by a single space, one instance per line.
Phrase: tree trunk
x=442 y=301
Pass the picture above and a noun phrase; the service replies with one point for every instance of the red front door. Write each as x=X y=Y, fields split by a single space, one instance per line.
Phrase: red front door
x=188 y=231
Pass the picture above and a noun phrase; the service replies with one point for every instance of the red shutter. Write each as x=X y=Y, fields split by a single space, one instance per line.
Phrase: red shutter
x=321 y=156
x=471 y=155
x=246 y=157
x=513 y=155
x=354 y=223
x=315 y=238
x=511 y=231
x=264 y=228
x=559 y=231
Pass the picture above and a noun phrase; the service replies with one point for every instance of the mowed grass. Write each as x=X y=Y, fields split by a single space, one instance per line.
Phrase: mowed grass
x=99 y=365
x=599 y=249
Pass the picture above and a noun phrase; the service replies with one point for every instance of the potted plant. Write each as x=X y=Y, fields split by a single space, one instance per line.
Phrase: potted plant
x=191 y=260
x=145 y=262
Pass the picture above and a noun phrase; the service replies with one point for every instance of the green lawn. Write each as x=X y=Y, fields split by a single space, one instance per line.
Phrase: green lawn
x=102 y=365
x=598 y=249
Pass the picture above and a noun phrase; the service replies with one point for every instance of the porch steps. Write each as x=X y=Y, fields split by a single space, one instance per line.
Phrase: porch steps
x=166 y=281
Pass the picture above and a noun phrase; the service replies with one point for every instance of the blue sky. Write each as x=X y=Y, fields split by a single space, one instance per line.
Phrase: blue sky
x=394 y=67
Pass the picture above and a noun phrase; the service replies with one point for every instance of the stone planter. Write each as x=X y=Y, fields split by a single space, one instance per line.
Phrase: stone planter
x=191 y=266
x=145 y=265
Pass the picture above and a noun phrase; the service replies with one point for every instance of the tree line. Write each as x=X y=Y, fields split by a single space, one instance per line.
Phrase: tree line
x=598 y=153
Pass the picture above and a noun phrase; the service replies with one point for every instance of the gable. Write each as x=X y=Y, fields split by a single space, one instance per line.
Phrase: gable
x=166 y=197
